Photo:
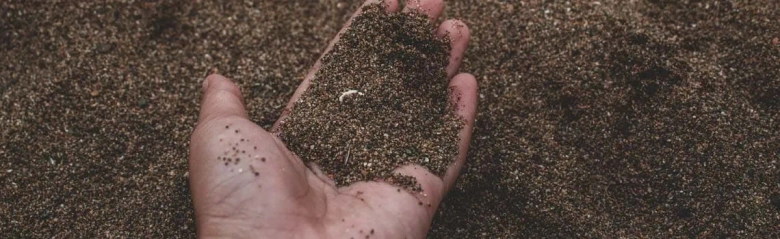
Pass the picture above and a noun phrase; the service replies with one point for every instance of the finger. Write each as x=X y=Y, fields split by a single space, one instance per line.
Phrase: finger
x=433 y=188
x=464 y=97
x=390 y=6
x=459 y=36
x=432 y=8
x=221 y=98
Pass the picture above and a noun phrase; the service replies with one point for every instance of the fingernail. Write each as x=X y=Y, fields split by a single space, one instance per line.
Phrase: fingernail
x=205 y=84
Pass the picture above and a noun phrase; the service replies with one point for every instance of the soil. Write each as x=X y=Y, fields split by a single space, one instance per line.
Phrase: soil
x=645 y=118
x=379 y=101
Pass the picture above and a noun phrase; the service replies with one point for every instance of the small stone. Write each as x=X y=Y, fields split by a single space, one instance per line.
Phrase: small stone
x=104 y=48
x=143 y=102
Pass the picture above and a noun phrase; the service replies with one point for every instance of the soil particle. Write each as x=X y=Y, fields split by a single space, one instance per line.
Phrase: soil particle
x=143 y=103
x=104 y=48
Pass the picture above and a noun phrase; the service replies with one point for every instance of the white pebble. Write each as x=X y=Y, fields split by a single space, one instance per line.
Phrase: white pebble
x=349 y=92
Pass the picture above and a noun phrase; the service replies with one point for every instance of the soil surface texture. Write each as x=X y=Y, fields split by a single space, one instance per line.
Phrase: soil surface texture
x=646 y=118
x=378 y=102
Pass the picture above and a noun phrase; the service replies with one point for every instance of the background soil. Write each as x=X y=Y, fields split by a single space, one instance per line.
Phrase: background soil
x=597 y=119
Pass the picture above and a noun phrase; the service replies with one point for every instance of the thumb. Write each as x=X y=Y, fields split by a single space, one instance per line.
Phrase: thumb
x=221 y=98
x=464 y=96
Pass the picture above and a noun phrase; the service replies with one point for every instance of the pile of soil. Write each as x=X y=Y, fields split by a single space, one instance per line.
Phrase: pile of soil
x=606 y=118
x=612 y=119
x=378 y=102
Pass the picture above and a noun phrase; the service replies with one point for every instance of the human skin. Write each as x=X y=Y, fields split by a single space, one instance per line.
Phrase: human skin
x=270 y=193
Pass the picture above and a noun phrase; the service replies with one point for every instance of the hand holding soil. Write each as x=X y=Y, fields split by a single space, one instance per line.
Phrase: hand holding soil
x=246 y=183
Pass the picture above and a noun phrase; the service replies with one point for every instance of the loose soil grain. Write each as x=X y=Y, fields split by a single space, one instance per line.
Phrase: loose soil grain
x=379 y=101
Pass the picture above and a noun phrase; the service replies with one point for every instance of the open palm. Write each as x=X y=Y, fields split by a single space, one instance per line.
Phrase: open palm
x=246 y=183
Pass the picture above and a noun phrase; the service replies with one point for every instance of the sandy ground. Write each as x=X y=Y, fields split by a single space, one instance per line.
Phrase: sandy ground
x=597 y=119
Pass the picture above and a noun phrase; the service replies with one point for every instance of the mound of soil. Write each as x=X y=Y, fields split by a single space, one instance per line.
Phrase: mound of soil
x=378 y=102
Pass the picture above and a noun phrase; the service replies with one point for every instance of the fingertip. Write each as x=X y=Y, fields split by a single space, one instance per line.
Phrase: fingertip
x=391 y=5
x=205 y=84
x=432 y=8
x=217 y=82
x=221 y=98
x=459 y=36
x=456 y=30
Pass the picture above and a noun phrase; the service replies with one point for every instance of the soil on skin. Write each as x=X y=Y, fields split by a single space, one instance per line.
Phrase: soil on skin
x=606 y=118
x=378 y=102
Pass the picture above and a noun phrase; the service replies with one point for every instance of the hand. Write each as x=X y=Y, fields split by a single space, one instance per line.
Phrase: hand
x=246 y=183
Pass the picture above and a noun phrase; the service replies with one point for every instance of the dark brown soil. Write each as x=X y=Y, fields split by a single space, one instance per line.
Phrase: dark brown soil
x=97 y=102
x=637 y=119
x=378 y=102
x=640 y=118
